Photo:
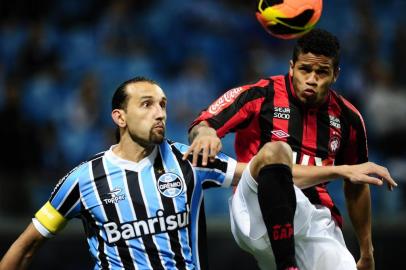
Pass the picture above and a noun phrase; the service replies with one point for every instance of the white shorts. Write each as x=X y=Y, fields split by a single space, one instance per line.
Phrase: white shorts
x=319 y=243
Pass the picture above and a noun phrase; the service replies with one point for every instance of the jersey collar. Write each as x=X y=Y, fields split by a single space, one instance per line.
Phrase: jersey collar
x=128 y=164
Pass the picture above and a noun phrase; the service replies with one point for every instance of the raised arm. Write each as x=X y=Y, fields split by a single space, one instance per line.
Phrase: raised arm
x=21 y=252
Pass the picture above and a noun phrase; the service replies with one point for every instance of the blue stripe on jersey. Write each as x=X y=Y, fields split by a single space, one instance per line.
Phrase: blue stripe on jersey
x=64 y=189
x=91 y=200
x=117 y=179
x=210 y=175
x=171 y=164
x=153 y=204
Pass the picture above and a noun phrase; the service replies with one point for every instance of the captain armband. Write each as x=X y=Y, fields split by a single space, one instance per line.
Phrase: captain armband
x=48 y=221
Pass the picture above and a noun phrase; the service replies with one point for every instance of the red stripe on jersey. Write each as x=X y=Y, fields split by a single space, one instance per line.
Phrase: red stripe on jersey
x=309 y=138
x=225 y=100
x=237 y=118
x=281 y=109
x=247 y=141
x=352 y=108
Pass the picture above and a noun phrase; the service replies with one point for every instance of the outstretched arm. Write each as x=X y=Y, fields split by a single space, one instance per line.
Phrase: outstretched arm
x=365 y=173
x=21 y=252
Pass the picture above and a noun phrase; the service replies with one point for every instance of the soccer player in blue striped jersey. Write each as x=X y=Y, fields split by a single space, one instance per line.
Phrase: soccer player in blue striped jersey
x=141 y=203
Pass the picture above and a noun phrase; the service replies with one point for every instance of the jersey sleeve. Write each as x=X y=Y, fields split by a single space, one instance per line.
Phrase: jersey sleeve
x=218 y=173
x=63 y=205
x=355 y=150
x=233 y=109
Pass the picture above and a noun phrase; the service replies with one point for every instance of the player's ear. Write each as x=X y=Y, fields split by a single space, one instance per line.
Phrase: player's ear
x=291 y=65
x=119 y=117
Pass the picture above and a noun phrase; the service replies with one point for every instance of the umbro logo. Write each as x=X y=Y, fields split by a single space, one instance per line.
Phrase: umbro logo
x=280 y=133
x=114 y=196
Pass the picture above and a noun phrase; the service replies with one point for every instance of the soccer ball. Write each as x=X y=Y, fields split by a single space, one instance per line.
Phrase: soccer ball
x=288 y=19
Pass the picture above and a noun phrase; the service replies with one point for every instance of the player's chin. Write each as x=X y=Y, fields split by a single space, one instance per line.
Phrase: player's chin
x=158 y=137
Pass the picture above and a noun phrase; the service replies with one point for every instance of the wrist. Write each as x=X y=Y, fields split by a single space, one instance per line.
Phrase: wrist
x=341 y=171
x=367 y=251
x=206 y=130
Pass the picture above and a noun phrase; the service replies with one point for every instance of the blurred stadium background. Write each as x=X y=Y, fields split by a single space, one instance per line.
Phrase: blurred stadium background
x=60 y=62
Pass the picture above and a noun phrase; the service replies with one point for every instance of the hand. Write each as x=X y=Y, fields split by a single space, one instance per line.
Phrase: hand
x=369 y=173
x=366 y=263
x=206 y=143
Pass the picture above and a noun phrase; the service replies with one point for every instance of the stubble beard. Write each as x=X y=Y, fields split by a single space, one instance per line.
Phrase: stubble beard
x=154 y=138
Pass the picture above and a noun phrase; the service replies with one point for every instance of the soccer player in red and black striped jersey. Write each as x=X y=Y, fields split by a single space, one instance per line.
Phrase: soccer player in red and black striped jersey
x=327 y=136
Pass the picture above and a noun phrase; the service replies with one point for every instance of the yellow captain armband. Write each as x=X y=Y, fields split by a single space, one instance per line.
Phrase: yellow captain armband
x=50 y=218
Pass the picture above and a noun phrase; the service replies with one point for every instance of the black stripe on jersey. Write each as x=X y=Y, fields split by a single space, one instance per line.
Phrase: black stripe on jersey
x=187 y=172
x=72 y=198
x=141 y=212
x=100 y=179
x=361 y=139
x=345 y=132
x=312 y=194
x=169 y=208
x=323 y=131
x=266 y=116
x=91 y=229
x=202 y=236
x=222 y=117
x=295 y=129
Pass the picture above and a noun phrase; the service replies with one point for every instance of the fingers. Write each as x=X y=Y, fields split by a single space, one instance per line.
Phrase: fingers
x=384 y=174
x=205 y=151
x=366 y=179
x=214 y=149
x=208 y=149
x=188 y=152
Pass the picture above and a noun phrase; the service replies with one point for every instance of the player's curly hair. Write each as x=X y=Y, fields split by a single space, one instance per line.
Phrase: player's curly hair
x=319 y=42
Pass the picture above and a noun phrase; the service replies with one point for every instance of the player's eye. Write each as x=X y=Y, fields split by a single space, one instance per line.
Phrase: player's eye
x=305 y=69
x=145 y=104
x=322 y=72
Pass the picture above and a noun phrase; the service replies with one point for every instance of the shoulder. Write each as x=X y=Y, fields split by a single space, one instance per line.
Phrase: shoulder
x=350 y=111
x=81 y=169
x=177 y=146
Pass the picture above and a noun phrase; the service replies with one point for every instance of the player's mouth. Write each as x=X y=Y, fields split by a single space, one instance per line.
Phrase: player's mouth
x=309 y=92
x=159 y=127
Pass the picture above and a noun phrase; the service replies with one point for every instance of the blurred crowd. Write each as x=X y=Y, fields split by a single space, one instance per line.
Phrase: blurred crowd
x=60 y=62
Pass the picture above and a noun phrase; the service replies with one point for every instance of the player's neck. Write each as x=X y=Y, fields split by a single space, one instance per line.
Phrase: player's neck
x=130 y=150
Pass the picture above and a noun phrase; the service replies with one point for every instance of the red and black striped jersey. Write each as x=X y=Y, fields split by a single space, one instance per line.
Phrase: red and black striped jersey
x=269 y=110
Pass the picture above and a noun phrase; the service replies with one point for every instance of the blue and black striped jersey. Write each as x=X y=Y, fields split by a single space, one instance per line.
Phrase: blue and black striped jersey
x=145 y=215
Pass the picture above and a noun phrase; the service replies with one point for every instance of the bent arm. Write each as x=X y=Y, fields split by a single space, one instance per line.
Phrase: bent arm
x=21 y=252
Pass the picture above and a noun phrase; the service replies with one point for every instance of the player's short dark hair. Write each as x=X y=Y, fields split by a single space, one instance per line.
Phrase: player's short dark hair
x=119 y=100
x=318 y=42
